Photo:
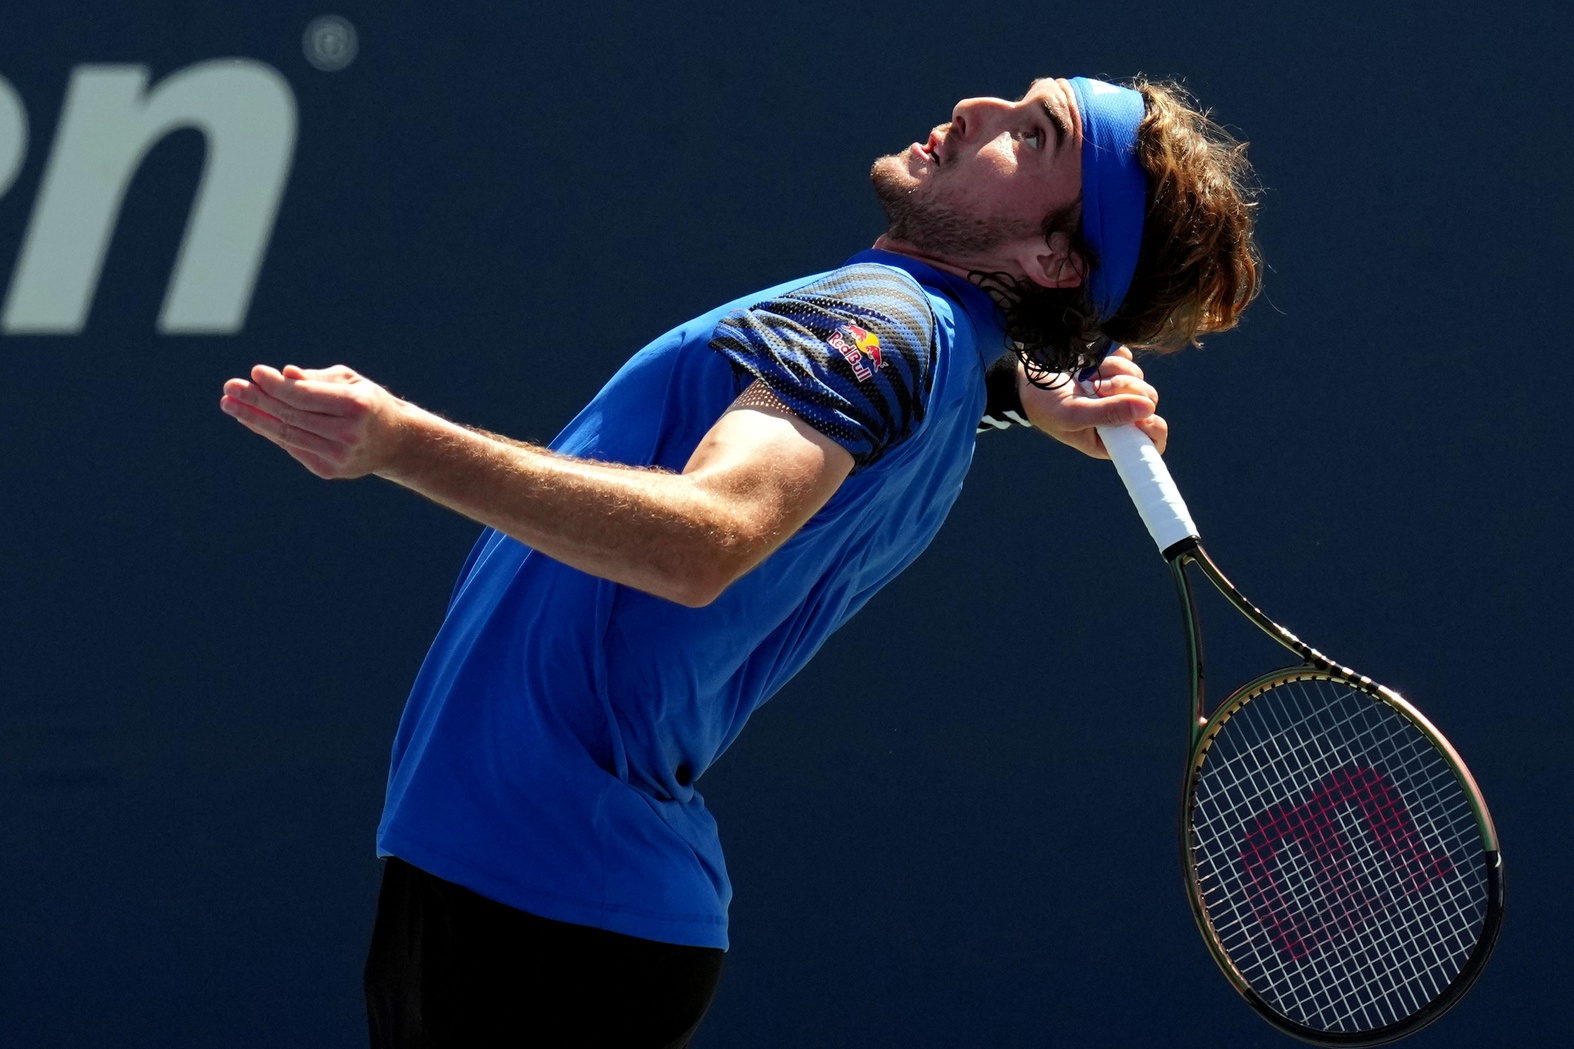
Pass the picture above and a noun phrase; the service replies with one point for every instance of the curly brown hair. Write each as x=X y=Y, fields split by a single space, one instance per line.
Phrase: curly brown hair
x=1198 y=266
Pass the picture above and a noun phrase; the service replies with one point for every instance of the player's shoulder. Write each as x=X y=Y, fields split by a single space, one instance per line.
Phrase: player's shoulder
x=850 y=351
x=887 y=294
x=860 y=278
x=859 y=309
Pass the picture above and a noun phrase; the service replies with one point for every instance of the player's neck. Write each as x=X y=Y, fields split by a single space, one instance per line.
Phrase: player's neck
x=997 y=285
x=886 y=242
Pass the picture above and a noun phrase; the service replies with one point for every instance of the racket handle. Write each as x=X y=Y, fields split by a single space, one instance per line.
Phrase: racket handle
x=1149 y=484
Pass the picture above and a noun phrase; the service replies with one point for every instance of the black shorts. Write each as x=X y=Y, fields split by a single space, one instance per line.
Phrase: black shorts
x=450 y=968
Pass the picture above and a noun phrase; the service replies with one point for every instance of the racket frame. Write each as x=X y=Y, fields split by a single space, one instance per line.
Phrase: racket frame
x=1204 y=727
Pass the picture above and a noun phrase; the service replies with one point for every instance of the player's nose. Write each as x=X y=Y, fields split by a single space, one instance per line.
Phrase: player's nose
x=973 y=116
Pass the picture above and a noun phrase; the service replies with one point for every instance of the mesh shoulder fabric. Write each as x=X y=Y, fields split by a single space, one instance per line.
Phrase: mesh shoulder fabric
x=852 y=354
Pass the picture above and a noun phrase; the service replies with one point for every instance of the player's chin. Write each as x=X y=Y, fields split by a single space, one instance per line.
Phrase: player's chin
x=894 y=171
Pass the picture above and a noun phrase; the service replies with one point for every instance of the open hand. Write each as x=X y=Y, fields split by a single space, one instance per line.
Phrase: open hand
x=335 y=422
x=1072 y=416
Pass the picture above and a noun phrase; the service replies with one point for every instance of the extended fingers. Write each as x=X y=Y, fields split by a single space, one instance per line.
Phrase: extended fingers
x=330 y=396
x=285 y=434
x=337 y=373
x=327 y=398
x=255 y=396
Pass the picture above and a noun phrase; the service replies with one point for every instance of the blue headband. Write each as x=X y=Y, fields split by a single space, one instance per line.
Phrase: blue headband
x=1114 y=187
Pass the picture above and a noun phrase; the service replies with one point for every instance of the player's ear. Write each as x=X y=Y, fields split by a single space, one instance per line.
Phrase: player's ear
x=1053 y=263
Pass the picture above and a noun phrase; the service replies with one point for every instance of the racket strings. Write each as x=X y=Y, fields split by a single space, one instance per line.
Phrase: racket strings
x=1337 y=856
x=1342 y=1008
x=1308 y=876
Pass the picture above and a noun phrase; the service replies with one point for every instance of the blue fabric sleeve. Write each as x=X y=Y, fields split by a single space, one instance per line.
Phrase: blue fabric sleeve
x=851 y=354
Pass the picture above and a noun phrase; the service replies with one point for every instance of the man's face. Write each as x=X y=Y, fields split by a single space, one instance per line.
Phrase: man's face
x=981 y=186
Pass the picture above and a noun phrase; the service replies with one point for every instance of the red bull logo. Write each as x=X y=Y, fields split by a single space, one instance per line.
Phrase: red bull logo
x=857 y=345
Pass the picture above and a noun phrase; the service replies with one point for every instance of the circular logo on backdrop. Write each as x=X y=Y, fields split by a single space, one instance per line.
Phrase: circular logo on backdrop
x=13 y=135
x=329 y=43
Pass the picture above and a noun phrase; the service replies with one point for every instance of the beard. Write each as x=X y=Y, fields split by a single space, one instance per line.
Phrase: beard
x=917 y=213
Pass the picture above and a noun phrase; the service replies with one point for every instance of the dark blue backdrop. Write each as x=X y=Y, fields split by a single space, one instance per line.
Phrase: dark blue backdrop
x=957 y=826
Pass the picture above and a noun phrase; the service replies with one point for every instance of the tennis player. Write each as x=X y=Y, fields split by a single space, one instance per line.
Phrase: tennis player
x=737 y=491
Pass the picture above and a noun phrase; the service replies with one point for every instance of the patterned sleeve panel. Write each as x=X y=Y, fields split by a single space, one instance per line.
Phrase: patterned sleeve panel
x=851 y=354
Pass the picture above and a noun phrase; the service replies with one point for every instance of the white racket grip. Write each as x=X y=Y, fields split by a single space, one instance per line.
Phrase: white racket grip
x=1149 y=484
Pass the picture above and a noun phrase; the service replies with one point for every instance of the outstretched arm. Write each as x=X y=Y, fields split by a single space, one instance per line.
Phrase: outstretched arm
x=754 y=480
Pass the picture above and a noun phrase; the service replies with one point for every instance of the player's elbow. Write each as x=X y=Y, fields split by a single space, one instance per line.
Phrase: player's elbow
x=703 y=583
x=700 y=571
x=693 y=595
x=705 y=577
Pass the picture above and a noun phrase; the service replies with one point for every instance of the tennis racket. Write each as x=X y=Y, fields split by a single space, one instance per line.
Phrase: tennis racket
x=1340 y=860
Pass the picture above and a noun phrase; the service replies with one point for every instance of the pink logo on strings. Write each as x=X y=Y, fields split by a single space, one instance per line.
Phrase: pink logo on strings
x=1347 y=896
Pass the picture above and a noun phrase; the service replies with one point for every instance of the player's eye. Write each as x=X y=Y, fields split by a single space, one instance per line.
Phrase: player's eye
x=1034 y=138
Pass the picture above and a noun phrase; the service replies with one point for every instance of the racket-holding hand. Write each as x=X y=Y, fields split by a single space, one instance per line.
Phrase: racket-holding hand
x=335 y=422
x=1072 y=415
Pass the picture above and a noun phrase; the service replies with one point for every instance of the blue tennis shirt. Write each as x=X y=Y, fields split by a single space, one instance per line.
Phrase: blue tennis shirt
x=548 y=753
